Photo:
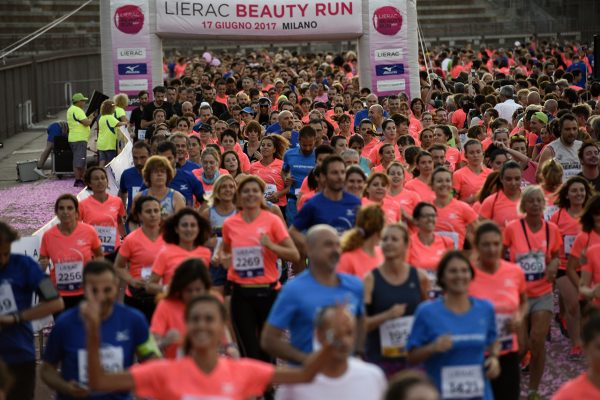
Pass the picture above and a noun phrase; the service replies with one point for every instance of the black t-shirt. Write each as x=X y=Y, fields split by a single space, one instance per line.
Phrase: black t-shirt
x=149 y=110
x=136 y=118
x=218 y=109
x=595 y=183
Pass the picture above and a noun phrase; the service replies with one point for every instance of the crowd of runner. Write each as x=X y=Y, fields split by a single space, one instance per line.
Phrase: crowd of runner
x=286 y=234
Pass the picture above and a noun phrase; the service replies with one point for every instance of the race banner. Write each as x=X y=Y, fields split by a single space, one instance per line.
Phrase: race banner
x=131 y=49
x=248 y=19
x=389 y=48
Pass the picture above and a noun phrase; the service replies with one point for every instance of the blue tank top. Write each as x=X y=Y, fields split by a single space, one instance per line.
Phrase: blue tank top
x=386 y=295
x=166 y=203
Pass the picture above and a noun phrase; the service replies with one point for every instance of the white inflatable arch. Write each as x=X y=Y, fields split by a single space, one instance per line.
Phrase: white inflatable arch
x=386 y=30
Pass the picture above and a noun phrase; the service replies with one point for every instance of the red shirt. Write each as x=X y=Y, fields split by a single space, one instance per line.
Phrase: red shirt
x=104 y=217
x=183 y=380
x=251 y=262
x=499 y=209
x=68 y=255
x=359 y=263
x=172 y=255
x=271 y=174
x=141 y=253
x=452 y=221
x=503 y=289
x=579 y=388
x=467 y=183
x=424 y=190
x=569 y=228
x=533 y=251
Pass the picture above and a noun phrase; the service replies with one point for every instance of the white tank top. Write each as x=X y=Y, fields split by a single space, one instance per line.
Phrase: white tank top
x=567 y=157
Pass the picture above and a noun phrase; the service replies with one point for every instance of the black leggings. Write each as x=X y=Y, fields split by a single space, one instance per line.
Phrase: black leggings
x=146 y=305
x=24 y=381
x=70 y=302
x=507 y=385
x=249 y=311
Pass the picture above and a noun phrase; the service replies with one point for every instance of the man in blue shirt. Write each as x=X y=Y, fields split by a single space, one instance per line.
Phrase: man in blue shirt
x=182 y=146
x=125 y=335
x=297 y=163
x=286 y=123
x=184 y=182
x=578 y=64
x=300 y=300
x=20 y=278
x=131 y=179
x=332 y=206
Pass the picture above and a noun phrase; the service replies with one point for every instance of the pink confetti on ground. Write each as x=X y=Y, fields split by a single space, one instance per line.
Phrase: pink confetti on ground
x=29 y=206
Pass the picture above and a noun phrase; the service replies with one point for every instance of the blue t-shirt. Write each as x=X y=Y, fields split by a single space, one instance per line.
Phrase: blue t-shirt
x=320 y=210
x=131 y=182
x=276 y=129
x=188 y=185
x=472 y=333
x=121 y=334
x=301 y=299
x=299 y=164
x=19 y=279
x=189 y=166
x=359 y=116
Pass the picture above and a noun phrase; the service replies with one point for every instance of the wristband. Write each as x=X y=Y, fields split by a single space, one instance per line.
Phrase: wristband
x=17 y=318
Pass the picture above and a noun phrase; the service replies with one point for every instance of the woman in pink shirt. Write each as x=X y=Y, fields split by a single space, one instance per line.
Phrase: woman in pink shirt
x=138 y=252
x=269 y=169
x=376 y=191
x=502 y=206
x=202 y=373
x=421 y=183
x=253 y=240
x=455 y=218
x=105 y=212
x=503 y=284
x=426 y=248
x=404 y=200
x=360 y=245
x=191 y=279
x=69 y=245
x=469 y=179
x=184 y=234
x=572 y=197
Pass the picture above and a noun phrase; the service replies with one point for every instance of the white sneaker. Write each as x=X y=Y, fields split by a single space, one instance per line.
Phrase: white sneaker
x=39 y=172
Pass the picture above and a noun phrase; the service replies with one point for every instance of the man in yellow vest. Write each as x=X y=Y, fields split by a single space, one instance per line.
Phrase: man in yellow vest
x=79 y=135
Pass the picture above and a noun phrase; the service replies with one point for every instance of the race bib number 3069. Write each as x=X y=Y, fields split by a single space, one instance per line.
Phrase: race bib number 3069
x=8 y=304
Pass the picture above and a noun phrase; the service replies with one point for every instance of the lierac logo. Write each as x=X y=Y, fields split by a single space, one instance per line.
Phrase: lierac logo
x=129 y=19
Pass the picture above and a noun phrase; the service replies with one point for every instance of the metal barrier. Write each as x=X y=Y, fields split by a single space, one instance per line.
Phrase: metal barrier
x=34 y=87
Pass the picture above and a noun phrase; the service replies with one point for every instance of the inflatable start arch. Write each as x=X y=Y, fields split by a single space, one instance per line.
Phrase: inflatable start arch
x=386 y=30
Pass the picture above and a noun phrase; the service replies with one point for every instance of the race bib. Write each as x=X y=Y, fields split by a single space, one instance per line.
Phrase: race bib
x=248 y=261
x=107 y=236
x=270 y=189
x=549 y=212
x=145 y=272
x=8 y=305
x=434 y=290
x=69 y=275
x=463 y=382
x=568 y=241
x=393 y=335
x=111 y=359
x=141 y=134
x=134 y=191
x=451 y=235
x=533 y=264
x=503 y=327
